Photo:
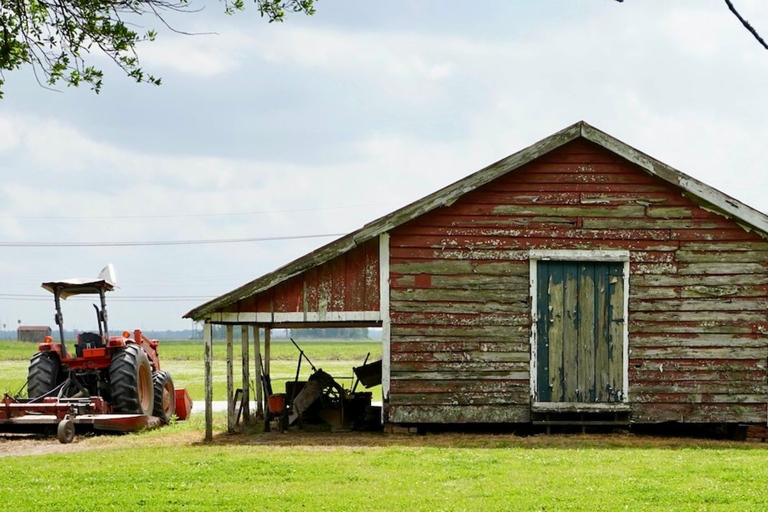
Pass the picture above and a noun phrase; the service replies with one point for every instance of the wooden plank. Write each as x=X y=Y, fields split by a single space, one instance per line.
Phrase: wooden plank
x=689 y=328
x=486 y=333
x=586 y=333
x=742 y=246
x=645 y=223
x=698 y=413
x=699 y=316
x=714 y=304
x=257 y=358
x=449 y=295
x=463 y=282
x=727 y=366
x=372 y=278
x=616 y=332
x=447 y=319
x=734 y=341
x=722 y=268
x=404 y=255
x=717 y=255
x=670 y=212
x=246 y=373
x=724 y=291
x=650 y=376
x=470 y=367
x=653 y=292
x=443 y=267
x=230 y=382
x=460 y=375
x=467 y=356
x=458 y=386
x=572 y=211
x=519 y=307
x=512 y=396
x=571 y=362
x=208 y=371
x=460 y=414
x=421 y=344
x=705 y=280
x=555 y=293
x=602 y=333
x=701 y=398
x=653 y=268
x=690 y=387
x=699 y=353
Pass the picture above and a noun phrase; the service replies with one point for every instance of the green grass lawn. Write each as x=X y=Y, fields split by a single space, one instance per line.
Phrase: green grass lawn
x=171 y=469
x=184 y=360
x=372 y=472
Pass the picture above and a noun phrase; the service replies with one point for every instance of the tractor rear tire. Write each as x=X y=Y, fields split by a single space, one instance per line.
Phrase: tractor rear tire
x=165 y=396
x=130 y=380
x=43 y=373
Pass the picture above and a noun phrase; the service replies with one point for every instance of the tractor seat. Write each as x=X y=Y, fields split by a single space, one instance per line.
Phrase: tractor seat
x=88 y=340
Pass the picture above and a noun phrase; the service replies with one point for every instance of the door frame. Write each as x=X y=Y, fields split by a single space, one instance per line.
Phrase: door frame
x=592 y=256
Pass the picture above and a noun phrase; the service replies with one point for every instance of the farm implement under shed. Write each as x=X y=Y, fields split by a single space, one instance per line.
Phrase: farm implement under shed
x=110 y=383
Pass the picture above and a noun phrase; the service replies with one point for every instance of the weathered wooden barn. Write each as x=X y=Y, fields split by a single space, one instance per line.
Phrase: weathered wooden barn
x=578 y=275
x=32 y=333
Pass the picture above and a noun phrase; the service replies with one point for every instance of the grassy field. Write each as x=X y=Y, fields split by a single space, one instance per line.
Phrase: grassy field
x=184 y=359
x=170 y=470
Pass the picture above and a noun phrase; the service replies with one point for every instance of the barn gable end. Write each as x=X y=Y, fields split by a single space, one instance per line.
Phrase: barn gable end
x=461 y=298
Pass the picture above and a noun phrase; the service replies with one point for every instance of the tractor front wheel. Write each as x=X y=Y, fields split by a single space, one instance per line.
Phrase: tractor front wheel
x=43 y=373
x=130 y=380
x=165 y=396
x=65 y=432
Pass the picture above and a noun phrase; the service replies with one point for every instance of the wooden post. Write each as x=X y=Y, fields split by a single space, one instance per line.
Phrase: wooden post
x=267 y=340
x=230 y=384
x=208 y=359
x=257 y=356
x=246 y=375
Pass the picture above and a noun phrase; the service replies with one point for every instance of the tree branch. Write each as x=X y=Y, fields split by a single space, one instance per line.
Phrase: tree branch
x=746 y=24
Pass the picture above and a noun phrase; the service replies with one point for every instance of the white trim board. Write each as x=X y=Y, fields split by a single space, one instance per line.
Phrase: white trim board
x=592 y=256
x=309 y=317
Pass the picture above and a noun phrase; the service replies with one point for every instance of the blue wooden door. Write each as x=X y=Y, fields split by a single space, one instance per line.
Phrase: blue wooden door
x=580 y=332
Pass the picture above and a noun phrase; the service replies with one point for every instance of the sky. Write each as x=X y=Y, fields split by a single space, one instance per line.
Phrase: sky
x=316 y=126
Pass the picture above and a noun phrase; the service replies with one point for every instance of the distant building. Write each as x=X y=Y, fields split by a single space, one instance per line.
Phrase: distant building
x=33 y=333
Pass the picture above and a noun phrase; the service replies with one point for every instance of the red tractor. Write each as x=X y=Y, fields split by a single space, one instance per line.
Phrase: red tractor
x=121 y=373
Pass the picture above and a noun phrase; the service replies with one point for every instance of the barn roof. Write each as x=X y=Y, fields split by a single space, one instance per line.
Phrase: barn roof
x=702 y=193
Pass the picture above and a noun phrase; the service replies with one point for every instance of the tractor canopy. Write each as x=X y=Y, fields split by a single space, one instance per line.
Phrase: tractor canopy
x=104 y=282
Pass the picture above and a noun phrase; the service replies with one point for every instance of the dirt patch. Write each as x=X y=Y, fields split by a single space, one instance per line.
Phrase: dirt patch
x=18 y=445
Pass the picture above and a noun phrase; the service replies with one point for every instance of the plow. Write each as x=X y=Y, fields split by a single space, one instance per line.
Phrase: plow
x=103 y=382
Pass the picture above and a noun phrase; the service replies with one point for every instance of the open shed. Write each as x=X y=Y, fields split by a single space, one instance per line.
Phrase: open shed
x=575 y=279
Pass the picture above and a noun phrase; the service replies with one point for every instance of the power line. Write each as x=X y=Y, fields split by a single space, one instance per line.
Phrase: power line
x=186 y=216
x=164 y=242
x=149 y=298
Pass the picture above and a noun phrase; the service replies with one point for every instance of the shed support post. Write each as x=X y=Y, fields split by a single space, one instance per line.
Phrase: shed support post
x=208 y=358
x=230 y=384
x=259 y=371
x=267 y=340
x=385 y=325
x=246 y=375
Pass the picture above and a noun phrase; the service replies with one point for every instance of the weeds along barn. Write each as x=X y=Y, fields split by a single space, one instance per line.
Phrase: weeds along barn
x=575 y=280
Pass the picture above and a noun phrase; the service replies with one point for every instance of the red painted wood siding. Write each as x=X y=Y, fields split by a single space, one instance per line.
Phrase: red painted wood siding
x=349 y=282
x=459 y=294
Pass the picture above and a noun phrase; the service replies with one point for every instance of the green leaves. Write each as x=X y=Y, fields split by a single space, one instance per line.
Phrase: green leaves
x=55 y=37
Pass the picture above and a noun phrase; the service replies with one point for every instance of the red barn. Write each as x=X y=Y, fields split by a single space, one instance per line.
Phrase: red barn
x=578 y=276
